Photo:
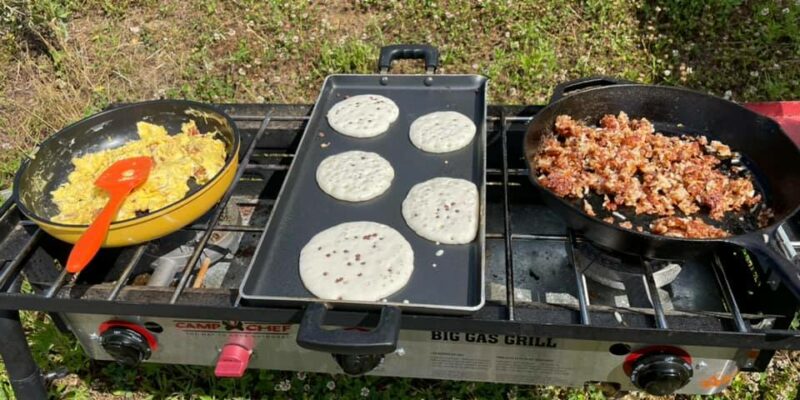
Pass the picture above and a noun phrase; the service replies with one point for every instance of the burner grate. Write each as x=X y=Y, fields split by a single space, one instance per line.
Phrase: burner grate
x=534 y=262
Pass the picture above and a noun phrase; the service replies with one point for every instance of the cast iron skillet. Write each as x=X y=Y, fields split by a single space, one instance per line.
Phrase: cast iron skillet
x=768 y=153
x=51 y=164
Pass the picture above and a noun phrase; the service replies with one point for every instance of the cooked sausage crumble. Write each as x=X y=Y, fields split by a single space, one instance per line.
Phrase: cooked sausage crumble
x=629 y=164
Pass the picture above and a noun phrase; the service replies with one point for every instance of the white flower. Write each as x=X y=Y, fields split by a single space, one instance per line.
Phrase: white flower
x=301 y=375
x=658 y=9
x=330 y=385
x=295 y=38
x=765 y=11
x=667 y=72
x=306 y=387
x=785 y=10
x=283 y=386
x=364 y=392
x=728 y=94
x=754 y=74
x=689 y=70
x=675 y=53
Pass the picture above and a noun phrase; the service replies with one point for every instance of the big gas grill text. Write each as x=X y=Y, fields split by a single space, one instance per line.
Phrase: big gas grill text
x=511 y=340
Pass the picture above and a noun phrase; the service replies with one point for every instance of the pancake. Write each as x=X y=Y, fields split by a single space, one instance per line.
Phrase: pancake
x=442 y=132
x=363 y=116
x=354 y=175
x=358 y=261
x=443 y=210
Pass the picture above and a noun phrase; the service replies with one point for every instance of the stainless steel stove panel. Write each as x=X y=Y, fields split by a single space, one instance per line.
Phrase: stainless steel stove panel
x=513 y=359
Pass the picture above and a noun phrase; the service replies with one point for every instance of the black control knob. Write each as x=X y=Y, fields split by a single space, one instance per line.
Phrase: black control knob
x=660 y=374
x=358 y=364
x=127 y=346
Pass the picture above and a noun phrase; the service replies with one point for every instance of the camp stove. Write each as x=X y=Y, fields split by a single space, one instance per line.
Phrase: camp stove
x=559 y=310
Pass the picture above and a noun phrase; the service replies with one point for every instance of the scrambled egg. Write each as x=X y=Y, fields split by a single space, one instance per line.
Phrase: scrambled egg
x=176 y=159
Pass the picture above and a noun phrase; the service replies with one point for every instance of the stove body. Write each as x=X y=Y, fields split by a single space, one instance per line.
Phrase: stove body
x=559 y=310
x=518 y=359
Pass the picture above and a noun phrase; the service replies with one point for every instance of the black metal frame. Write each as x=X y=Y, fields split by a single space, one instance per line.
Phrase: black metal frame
x=23 y=373
x=282 y=124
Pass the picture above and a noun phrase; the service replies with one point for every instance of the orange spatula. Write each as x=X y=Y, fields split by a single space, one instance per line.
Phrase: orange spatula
x=118 y=180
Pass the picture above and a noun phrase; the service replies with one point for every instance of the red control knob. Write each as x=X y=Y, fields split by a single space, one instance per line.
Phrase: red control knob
x=659 y=370
x=126 y=342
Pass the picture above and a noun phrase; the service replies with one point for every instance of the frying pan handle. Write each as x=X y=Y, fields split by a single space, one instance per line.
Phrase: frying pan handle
x=564 y=89
x=409 y=52
x=380 y=340
x=770 y=257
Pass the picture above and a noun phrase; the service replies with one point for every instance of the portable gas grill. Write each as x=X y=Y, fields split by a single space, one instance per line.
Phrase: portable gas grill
x=558 y=310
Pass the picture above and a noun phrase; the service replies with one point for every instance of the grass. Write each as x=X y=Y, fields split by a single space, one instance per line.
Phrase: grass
x=61 y=60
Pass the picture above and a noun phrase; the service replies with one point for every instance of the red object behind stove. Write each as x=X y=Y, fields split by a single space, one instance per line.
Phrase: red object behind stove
x=786 y=113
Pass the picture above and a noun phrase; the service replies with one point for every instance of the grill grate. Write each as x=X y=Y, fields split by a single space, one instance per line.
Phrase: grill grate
x=271 y=132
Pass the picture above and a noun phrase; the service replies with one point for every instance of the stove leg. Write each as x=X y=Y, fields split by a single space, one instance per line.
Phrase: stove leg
x=26 y=380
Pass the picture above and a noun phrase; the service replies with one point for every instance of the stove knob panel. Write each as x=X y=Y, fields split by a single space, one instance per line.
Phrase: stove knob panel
x=125 y=345
x=660 y=374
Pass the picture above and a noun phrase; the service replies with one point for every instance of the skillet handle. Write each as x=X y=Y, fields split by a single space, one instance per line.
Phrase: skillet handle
x=770 y=257
x=408 y=52
x=380 y=340
x=564 y=89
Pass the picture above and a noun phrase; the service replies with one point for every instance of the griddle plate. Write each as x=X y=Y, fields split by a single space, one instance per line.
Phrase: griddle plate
x=456 y=284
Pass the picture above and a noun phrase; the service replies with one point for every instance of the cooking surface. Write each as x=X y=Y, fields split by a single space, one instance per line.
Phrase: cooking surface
x=694 y=299
x=304 y=210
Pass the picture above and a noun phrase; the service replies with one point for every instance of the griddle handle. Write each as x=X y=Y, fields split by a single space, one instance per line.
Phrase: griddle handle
x=408 y=52
x=769 y=256
x=564 y=89
x=380 y=340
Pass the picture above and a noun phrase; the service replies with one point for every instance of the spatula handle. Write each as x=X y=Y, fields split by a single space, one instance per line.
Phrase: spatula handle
x=89 y=243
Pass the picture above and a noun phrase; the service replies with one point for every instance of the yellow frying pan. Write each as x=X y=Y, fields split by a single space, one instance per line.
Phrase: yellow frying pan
x=51 y=164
